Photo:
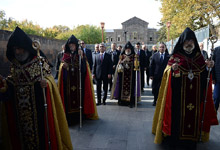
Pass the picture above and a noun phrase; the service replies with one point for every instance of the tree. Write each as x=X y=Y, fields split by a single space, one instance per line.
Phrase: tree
x=88 y=33
x=162 y=35
x=189 y=13
x=3 y=20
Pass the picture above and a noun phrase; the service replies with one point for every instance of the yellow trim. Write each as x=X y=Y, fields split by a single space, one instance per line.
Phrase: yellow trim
x=59 y=75
x=5 y=87
x=159 y=112
x=60 y=122
x=95 y=116
x=205 y=136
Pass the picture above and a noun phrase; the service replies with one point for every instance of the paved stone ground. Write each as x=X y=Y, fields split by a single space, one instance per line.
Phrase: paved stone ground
x=124 y=128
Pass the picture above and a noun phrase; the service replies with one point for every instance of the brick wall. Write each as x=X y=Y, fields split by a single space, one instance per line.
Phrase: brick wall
x=49 y=46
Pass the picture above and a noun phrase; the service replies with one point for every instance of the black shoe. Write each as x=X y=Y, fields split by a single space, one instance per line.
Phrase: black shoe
x=148 y=84
x=142 y=90
x=154 y=104
x=131 y=106
x=97 y=104
x=104 y=103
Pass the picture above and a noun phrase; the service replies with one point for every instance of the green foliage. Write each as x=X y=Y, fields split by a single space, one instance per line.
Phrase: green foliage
x=162 y=35
x=3 y=20
x=88 y=33
x=189 y=13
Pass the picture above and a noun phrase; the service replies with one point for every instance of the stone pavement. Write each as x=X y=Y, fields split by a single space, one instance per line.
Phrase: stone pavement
x=124 y=128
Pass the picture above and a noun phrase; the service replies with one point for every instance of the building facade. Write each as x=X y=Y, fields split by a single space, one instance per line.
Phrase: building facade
x=133 y=30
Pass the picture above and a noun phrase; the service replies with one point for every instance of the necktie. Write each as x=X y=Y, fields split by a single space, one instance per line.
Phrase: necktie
x=101 y=55
x=161 y=58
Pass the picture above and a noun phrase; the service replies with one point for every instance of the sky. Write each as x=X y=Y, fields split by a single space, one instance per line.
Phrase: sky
x=72 y=13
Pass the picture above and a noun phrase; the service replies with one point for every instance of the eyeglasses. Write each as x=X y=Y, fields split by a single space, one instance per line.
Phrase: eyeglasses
x=101 y=46
x=82 y=43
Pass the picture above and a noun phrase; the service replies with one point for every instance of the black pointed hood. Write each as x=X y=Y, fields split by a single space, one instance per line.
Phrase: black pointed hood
x=187 y=34
x=128 y=45
x=73 y=40
x=21 y=40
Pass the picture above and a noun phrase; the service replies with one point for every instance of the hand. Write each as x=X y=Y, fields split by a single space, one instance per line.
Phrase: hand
x=175 y=66
x=93 y=76
x=80 y=52
x=65 y=65
x=209 y=63
x=151 y=77
x=109 y=76
x=43 y=83
x=113 y=67
x=213 y=81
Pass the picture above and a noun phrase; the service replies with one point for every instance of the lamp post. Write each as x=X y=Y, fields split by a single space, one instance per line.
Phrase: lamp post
x=168 y=30
x=102 y=26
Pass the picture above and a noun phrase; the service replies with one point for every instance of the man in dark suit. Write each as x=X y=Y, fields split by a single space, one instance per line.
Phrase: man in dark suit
x=115 y=58
x=88 y=53
x=204 y=53
x=148 y=56
x=142 y=60
x=158 y=64
x=93 y=57
x=58 y=60
x=102 y=71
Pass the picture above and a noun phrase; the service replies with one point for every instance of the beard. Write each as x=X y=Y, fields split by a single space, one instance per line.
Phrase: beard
x=22 y=57
x=188 y=48
x=127 y=52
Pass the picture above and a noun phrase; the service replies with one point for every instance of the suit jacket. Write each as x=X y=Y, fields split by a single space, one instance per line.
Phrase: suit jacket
x=115 y=57
x=59 y=59
x=89 y=57
x=93 y=56
x=156 y=68
x=148 y=56
x=101 y=70
x=204 y=54
x=142 y=59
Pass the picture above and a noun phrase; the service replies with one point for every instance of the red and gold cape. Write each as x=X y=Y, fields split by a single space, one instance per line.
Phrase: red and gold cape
x=21 y=116
x=191 y=101
x=73 y=90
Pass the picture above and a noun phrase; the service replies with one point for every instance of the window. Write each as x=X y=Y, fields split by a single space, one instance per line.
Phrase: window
x=119 y=39
x=151 y=39
x=111 y=39
x=135 y=35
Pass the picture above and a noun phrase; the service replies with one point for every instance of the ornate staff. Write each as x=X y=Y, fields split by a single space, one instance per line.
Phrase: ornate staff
x=213 y=40
x=136 y=68
x=80 y=89
x=36 y=46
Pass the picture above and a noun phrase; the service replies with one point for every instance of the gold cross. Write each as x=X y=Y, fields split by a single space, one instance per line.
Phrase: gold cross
x=190 y=106
x=189 y=126
x=73 y=88
x=191 y=87
x=126 y=92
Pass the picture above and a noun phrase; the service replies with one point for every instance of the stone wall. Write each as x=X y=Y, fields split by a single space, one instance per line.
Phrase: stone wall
x=49 y=46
